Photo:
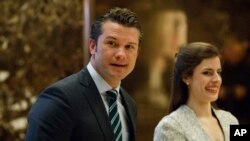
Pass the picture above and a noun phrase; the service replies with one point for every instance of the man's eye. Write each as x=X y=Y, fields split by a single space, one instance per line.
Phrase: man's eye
x=130 y=47
x=112 y=44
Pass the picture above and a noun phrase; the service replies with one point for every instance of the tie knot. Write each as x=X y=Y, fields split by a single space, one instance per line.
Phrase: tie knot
x=112 y=94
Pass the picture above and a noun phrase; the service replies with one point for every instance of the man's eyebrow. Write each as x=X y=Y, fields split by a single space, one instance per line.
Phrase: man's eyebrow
x=132 y=43
x=113 y=38
x=110 y=37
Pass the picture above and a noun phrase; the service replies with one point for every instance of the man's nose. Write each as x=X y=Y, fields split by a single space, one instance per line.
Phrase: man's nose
x=120 y=53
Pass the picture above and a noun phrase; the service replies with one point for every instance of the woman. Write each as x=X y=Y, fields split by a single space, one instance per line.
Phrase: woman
x=196 y=84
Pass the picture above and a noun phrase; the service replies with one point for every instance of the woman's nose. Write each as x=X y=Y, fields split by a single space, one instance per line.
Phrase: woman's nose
x=217 y=77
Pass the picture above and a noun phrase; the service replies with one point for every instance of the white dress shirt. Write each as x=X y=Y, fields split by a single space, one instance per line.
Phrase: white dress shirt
x=102 y=87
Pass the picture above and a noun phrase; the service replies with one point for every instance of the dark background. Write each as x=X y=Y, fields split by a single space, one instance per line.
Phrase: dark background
x=41 y=41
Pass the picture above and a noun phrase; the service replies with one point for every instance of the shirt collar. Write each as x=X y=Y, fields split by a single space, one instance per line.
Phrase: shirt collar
x=101 y=84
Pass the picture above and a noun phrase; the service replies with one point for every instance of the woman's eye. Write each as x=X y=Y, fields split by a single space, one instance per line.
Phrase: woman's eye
x=207 y=73
x=219 y=72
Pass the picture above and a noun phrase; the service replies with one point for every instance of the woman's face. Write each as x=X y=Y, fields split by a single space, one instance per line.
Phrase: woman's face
x=204 y=84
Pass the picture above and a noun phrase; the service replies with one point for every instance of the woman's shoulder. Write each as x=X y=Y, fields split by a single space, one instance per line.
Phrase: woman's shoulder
x=178 y=125
x=226 y=116
x=177 y=117
x=169 y=126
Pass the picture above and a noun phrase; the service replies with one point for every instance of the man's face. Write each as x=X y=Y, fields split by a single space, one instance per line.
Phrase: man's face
x=115 y=53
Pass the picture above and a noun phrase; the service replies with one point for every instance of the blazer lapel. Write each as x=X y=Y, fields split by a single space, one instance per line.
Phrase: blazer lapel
x=221 y=122
x=96 y=103
x=196 y=132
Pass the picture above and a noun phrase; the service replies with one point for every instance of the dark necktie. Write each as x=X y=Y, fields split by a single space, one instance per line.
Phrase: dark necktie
x=114 y=117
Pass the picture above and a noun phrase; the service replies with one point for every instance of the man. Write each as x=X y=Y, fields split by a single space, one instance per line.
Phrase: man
x=79 y=108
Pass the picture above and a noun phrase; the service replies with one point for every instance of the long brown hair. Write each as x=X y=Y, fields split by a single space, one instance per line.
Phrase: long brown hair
x=187 y=59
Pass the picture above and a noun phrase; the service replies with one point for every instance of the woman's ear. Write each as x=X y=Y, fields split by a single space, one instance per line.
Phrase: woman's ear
x=186 y=79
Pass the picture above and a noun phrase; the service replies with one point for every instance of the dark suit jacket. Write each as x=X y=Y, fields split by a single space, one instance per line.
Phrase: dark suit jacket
x=72 y=110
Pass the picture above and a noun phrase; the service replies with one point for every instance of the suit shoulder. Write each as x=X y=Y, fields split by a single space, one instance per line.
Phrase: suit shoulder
x=65 y=82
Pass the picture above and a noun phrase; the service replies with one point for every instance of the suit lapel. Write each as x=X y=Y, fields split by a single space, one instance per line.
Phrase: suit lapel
x=130 y=109
x=96 y=103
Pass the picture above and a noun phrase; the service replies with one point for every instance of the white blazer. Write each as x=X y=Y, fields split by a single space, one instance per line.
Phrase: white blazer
x=183 y=125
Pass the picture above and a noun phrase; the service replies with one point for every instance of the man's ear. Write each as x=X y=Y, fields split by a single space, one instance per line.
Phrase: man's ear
x=92 y=46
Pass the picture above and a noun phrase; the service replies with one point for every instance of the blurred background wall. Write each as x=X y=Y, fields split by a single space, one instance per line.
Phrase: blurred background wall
x=42 y=41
